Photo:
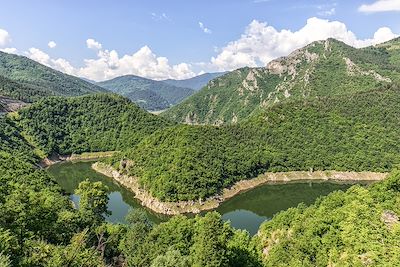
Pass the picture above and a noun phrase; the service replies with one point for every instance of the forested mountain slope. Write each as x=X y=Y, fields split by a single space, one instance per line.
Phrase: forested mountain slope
x=359 y=227
x=356 y=132
x=197 y=82
x=28 y=80
x=323 y=68
x=147 y=93
x=99 y=122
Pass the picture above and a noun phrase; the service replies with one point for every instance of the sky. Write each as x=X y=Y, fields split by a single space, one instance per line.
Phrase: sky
x=178 y=39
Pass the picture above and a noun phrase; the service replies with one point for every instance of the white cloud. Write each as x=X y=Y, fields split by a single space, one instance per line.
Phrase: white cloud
x=142 y=63
x=203 y=28
x=158 y=17
x=380 y=6
x=52 y=44
x=43 y=58
x=262 y=43
x=327 y=12
x=4 y=37
x=257 y=46
x=93 y=44
x=10 y=50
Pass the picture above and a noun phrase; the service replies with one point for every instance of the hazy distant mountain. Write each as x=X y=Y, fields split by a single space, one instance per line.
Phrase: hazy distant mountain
x=195 y=83
x=25 y=79
x=323 y=68
x=147 y=93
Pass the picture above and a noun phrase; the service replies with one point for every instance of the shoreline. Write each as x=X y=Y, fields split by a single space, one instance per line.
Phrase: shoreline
x=195 y=207
x=56 y=158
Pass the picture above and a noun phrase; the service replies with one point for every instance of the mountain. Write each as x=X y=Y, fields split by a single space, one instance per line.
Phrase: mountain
x=28 y=80
x=195 y=83
x=90 y=123
x=323 y=68
x=147 y=93
x=354 y=132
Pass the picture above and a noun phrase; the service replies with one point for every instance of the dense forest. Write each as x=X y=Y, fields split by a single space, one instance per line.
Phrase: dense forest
x=359 y=227
x=354 y=130
x=357 y=133
x=322 y=68
x=102 y=122
x=146 y=93
x=28 y=80
x=188 y=163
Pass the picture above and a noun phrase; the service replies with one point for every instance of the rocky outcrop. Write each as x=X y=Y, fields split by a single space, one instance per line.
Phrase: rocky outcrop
x=182 y=207
x=57 y=158
x=10 y=105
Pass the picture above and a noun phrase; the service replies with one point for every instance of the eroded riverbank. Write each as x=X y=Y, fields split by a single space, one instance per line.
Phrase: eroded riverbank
x=182 y=207
x=56 y=158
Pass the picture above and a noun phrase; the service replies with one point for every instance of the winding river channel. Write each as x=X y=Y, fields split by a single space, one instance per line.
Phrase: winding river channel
x=245 y=211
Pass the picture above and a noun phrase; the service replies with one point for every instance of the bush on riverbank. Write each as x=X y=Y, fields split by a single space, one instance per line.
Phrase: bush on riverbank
x=358 y=227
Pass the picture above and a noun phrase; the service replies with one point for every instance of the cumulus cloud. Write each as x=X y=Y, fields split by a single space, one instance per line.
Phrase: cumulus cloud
x=257 y=46
x=93 y=44
x=204 y=28
x=262 y=43
x=10 y=50
x=4 y=37
x=142 y=63
x=52 y=44
x=43 y=58
x=380 y=6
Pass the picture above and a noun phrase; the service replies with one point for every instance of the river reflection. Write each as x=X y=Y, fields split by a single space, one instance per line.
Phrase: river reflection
x=245 y=211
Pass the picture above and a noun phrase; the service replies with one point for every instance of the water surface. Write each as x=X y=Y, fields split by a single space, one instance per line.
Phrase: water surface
x=245 y=211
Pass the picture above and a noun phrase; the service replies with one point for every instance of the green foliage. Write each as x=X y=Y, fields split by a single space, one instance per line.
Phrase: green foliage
x=344 y=133
x=355 y=228
x=27 y=80
x=199 y=241
x=148 y=94
x=93 y=200
x=12 y=142
x=102 y=122
x=172 y=258
x=357 y=132
x=184 y=162
x=323 y=68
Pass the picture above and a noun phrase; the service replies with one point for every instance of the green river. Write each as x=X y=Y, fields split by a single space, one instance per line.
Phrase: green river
x=245 y=211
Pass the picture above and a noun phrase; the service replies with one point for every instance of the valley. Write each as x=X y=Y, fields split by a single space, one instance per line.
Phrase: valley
x=246 y=210
x=292 y=164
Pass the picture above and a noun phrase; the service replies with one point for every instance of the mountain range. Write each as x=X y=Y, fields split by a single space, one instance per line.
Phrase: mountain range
x=156 y=95
x=197 y=82
x=323 y=68
x=25 y=79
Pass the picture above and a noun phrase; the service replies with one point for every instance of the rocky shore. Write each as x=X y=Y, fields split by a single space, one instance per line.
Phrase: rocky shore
x=182 y=207
x=56 y=158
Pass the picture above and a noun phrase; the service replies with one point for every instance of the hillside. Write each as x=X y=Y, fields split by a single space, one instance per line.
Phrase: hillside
x=342 y=229
x=346 y=133
x=9 y=105
x=195 y=83
x=323 y=68
x=148 y=94
x=28 y=80
x=99 y=122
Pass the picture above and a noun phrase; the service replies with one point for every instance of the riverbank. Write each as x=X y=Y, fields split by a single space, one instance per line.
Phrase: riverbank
x=56 y=158
x=182 y=207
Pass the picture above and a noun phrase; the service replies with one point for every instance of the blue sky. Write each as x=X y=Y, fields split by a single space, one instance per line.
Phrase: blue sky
x=171 y=30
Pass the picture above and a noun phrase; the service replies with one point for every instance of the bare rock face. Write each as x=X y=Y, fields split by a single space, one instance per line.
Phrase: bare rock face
x=10 y=105
x=390 y=218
